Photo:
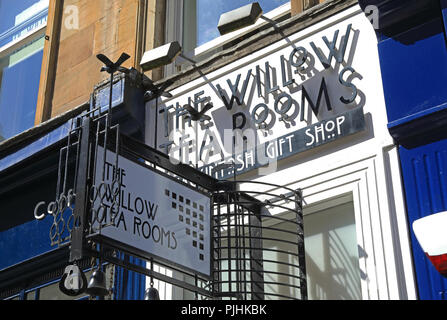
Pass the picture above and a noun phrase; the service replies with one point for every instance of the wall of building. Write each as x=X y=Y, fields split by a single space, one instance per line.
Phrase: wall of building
x=298 y=6
x=79 y=30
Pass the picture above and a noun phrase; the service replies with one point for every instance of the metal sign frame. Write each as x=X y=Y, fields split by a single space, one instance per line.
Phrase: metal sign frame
x=101 y=238
x=94 y=130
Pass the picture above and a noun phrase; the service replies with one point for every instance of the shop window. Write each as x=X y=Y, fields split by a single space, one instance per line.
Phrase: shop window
x=332 y=260
x=22 y=31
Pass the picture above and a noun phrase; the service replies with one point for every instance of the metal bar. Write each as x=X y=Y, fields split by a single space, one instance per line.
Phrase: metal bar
x=230 y=286
x=59 y=174
x=257 y=267
x=238 y=245
x=96 y=152
x=260 y=238
x=78 y=145
x=239 y=295
x=153 y=274
x=264 y=249
x=301 y=248
x=285 y=197
x=67 y=155
x=156 y=124
x=113 y=245
x=272 y=229
x=282 y=274
x=219 y=241
x=80 y=211
x=270 y=282
x=244 y=253
x=215 y=254
x=270 y=261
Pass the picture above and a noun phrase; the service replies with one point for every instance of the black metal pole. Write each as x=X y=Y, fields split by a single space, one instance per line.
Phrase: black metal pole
x=257 y=266
x=80 y=210
x=156 y=124
x=301 y=247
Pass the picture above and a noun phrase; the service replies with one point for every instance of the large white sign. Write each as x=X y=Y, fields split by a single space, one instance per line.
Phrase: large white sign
x=152 y=213
x=280 y=95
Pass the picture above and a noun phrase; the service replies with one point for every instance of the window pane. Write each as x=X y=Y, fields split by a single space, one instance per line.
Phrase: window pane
x=19 y=85
x=19 y=17
x=209 y=11
x=332 y=259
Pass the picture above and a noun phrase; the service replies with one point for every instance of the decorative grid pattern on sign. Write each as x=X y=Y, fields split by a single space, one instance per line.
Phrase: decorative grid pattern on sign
x=192 y=215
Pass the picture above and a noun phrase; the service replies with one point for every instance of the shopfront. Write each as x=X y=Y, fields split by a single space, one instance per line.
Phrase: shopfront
x=309 y=113
x=267 y=172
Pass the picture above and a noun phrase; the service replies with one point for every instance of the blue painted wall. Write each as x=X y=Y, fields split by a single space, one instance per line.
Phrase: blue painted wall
x=414 y=69
x=24 y=242
x=413 y=56
x=424 y=172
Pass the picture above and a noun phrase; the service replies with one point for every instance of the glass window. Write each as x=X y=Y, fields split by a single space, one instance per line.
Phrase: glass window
x=210 y=11
x=19 y=85
x=332 y=259
x=332 y=254
x=22 y=25
x=201 y=18
x=20 y=17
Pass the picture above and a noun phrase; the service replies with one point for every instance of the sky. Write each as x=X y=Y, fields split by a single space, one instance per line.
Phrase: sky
x=209 y=12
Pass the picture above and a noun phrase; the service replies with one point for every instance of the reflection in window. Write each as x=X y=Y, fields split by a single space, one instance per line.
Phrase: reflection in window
x=332 y=260
x=20 y=62
x=202 y=16
x=20 y=17
x=19 y=85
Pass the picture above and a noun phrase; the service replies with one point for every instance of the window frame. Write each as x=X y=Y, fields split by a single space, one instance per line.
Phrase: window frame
x=174 y=32
x=18 y=43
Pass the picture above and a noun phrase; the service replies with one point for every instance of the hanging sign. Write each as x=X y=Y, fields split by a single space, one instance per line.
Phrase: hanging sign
x=152 y=213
